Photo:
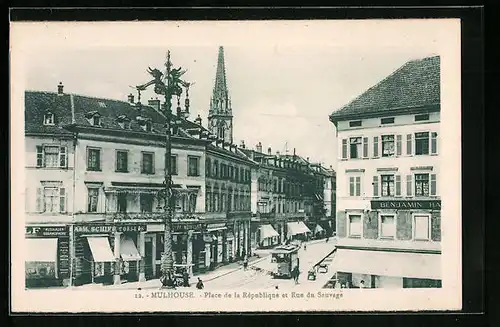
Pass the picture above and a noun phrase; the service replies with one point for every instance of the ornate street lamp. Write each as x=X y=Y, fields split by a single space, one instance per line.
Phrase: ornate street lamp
x=168 y=85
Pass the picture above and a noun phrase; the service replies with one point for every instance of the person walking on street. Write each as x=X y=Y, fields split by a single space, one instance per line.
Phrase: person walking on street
x=295 y=274
x=199 y=285
x=185 y=278
x=245 y=262
x=305 y=246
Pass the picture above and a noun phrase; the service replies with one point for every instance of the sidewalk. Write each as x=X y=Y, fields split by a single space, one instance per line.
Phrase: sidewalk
x=155 y=283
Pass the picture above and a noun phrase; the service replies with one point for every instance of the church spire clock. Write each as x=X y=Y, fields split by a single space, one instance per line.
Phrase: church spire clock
x=220 y=116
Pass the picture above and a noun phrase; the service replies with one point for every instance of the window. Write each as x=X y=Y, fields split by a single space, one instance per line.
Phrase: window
x=365 y=147
x=148 y=163
x=434 y=143
x=173 y=165
x=147 y=126
x=51 y=156
x=122 y=202
x=146 y=202
x=93 y=198
x=355 y=123
x=216 y=169
x=355 y=225
x=387 y=227
x=355 y=147
x=387 y=182
x=355 y=186
x=192 y=203
x=93 y=159
x=421 y=184
x=121 y=161
x=193 y=166
x=399 y=145
x=422 y=117
x=208 y=167
x=421 y=228
x=387 y=145
x=52 y=200
x=96 y=120
x=375 y=146
x=422 y=143
x=48 y=119
x=388 y=120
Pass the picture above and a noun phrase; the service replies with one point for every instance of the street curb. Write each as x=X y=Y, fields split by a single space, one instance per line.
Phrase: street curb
x=236 y=269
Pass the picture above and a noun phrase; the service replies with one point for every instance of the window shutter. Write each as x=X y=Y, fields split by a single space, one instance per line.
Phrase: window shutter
x=365 y=147
x=375 y=186
x=398 y=185
x=351 y=186
x=62 y=199
x=63 y=157
x=433 y=143
x=40 y=204
x=344 y=149
x=409 y=141
x=98 y=155
x=409 y=185
x=39 y=156
x=399 y=145
x=375 y=146
x=433 y=184
x=358 y=186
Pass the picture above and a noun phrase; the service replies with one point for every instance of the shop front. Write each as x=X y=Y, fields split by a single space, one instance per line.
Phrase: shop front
x=297 y=230
x=47 y=260
x=109 y=253
x=268 y=236
x=217 y=242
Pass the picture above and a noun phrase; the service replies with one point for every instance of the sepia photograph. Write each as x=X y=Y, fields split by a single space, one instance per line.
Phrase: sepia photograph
x=208 y=166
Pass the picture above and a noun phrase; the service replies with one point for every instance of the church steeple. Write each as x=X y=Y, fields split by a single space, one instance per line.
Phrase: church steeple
x=220 y=117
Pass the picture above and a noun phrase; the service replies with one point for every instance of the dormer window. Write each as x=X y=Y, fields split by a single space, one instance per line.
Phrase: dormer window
x=94 y=118
x=48 y=118
x=145 y=123
x=123 y=121
x=148 y=126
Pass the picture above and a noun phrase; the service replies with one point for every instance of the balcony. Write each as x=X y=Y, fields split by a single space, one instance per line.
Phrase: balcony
x=239 y=214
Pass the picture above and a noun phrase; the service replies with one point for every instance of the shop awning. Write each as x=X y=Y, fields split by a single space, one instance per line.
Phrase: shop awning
x=100 y=248
x=297 y=228
x=384 y=263
x=318 y=229
x=128 y=251
x=41 y=250
x=267 y=231
x=214 y=227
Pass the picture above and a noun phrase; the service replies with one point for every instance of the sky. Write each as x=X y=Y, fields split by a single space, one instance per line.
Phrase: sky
x=282 y=92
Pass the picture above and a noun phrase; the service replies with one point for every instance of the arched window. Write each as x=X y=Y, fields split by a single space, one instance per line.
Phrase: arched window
x=48 y=118
x=215 y=198
x=230 y=199
x=223 y=198
x=220 y=132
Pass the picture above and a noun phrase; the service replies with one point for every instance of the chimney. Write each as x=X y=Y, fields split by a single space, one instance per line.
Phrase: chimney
x=307 y=159
x=277 y=153
x=154 y=103
x=130 y=98
x=242 y=145
x=60 y=89
x=258 y=148
x=198 y=120
x=294 y=152
x=269 y=151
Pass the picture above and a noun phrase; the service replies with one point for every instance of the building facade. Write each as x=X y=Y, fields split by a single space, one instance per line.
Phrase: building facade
x=95 y=191
x=287 y=198
x=388 y=197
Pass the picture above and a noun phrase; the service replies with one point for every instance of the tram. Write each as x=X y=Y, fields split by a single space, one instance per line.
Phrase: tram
x=285 y=258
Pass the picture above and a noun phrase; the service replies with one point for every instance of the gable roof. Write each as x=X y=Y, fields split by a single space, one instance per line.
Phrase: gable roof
x=414 y=85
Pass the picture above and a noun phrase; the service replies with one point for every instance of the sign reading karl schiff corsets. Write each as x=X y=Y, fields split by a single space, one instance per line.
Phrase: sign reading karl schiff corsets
x=109 y=228
x=406 y=204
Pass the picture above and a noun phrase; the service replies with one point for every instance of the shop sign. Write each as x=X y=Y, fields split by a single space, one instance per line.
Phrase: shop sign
x=47 y=231
x=183 y=226
x=406 y=204
x=107 y=228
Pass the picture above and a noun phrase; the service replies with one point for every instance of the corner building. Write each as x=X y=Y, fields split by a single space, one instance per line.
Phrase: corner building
x=388 y=195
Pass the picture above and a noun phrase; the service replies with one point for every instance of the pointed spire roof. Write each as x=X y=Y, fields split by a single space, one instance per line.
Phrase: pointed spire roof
x=220 y=87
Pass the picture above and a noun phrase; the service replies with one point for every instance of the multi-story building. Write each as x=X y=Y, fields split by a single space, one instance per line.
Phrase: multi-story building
x=287 y=197
x=94 y=196
x=388 y=197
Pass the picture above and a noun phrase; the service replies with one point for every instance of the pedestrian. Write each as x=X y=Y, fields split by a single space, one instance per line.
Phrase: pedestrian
x=296 y=274
x=362 y=284
x=276 y=287
x=185 y=278
x=327 y=238
x=245 y=262
x=199 y=285
x=305 y=246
